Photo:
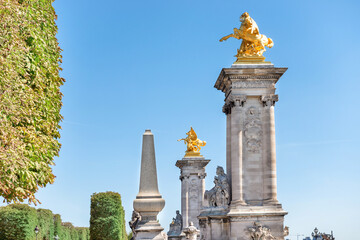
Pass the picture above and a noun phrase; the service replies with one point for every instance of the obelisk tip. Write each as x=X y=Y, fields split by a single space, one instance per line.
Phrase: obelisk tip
x=148 y=132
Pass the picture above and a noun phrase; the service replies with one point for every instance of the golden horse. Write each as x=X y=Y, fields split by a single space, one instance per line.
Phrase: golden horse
x=193 y=144
x=254 y=43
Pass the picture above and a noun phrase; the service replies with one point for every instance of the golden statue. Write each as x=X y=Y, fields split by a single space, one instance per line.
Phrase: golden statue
x=253 y=44
x=193 y=144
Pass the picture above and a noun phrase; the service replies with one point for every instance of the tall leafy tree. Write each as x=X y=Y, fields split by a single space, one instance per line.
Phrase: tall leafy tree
x=30 y=97
x=107 y=220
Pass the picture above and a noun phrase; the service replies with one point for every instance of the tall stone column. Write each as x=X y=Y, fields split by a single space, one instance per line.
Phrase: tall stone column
x=192 y=176
x=251 y=152
x=148 y=202
x=236 y=146
x=270 y=190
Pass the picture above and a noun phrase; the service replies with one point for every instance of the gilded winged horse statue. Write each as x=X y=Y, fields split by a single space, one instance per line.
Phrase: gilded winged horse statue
x=253 y=44
x=193 y=144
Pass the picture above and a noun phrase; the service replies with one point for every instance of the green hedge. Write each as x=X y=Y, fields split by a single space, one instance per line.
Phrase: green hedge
x=18 y=221
x=30 y=97
x=107 y=220
x=45 y=223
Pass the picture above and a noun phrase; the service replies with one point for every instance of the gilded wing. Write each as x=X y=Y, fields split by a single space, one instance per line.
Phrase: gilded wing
x=193 y=135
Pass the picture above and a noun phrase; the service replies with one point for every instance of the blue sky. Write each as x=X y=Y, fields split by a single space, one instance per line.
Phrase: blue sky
x=134 y=65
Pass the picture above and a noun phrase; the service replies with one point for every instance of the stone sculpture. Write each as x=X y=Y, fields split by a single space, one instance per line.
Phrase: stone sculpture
x=193 y=144
x=253 y=44
x=135 y=219
x=191 y=232
x=219 y=195
x=286 y=231
x=258 y=232
x=176 y=225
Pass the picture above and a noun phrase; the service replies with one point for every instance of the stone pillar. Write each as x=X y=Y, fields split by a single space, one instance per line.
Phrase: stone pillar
x=228 y=146
x=251 y=152
x=236 y=146
x=148 y=202
x=192 y=176
x=270 y=190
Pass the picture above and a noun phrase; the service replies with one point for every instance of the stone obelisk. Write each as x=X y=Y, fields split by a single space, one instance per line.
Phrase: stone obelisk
x=148 y=202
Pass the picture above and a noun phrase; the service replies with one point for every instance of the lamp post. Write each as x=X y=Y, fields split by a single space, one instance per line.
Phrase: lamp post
x=36 y=230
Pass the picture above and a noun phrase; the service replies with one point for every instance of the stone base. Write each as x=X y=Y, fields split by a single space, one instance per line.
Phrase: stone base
x=234 y=223
x=147 y=230
x=252 y=65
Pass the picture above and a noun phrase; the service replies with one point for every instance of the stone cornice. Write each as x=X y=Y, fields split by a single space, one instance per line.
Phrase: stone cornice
x=252 y=76
x=200 y=162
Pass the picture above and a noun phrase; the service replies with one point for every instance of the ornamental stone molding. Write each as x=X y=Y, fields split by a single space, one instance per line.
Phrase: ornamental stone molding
x=191 y=232
x=253 y=84
x=253 y=132
x=232 y=101
x=269 y=100
x=258 y=232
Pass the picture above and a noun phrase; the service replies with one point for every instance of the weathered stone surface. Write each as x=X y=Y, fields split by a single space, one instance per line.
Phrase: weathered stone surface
x=192 y=176
x=148 y=202
x=250 y=156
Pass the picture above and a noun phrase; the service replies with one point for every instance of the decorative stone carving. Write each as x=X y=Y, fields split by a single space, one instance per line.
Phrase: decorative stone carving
x=202 y=175
x=253 y=132
x=191 y=232
x=193 y=189
x=135 y=219
x=233 y=100
x=258 y=232
x=184 y=176
x=254 y=84
x=219 y=195
x=269 y=100
x=176 y=225
x=286 y=231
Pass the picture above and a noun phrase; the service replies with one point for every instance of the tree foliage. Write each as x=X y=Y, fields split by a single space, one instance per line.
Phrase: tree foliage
x=30 y=97
x=107 y=220
x=18 y=221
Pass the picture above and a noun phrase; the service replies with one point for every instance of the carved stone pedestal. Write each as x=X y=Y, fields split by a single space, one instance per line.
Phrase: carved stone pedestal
x=250 y=157
x=192 y=176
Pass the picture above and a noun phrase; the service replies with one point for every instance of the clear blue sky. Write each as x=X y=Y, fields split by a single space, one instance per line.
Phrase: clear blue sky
x=134 y=65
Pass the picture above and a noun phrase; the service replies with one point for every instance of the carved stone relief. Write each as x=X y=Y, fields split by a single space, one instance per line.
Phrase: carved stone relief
x=269 y=100
x=254 y=84
x=193 y=189
x=253 y=132
x=233 y=100
x=258 y=232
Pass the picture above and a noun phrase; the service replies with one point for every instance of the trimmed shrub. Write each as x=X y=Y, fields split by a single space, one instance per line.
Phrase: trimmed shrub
x=57 y=225
x=84 y=233
x=46 y=224
x=107 y=220
x=17 y=222
x=30 y=97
